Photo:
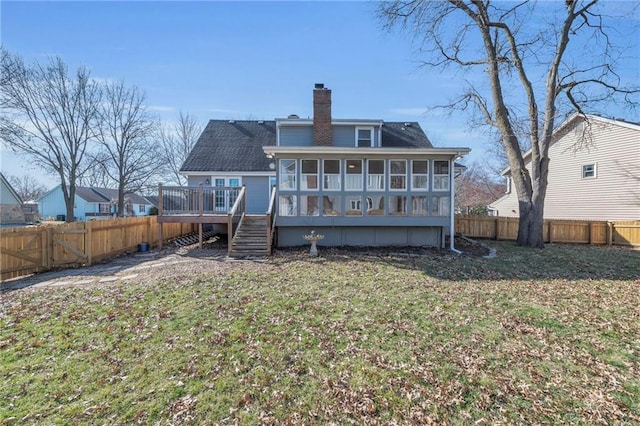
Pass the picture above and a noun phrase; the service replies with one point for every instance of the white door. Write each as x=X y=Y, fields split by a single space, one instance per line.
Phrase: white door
x=224 y=199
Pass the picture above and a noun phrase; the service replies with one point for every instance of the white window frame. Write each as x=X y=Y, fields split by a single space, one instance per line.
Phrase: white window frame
x=440 y=177
x=594 y=170
x=280 y=175
x=347 y=175
x=325 y=175
x=370 y=129
x=426 y=175
x=379 y=177
x=391 y=175
x=304 y=176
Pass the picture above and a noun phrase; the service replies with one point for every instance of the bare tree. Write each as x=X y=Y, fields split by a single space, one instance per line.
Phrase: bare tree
x=27 y=187
x=128 y=157
x=50 y=117
x=529 y=75
x=177 y=142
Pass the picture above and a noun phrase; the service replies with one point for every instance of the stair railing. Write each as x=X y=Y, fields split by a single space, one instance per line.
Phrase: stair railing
x=238 y=209
x=271 y=219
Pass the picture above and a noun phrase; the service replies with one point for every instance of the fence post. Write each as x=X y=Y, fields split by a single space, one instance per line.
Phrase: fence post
x=88 y=226
x=45 y=248
x=550 y=232
x=590 y=233
x=497 y=227
x=49 y=247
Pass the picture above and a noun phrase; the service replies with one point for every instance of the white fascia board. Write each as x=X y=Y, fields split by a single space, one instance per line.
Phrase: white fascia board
x=324 y=150
x=232 y=174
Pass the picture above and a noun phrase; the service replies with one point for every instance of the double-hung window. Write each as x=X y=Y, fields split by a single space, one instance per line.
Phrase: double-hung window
x=353 y=175
x=309 y=176
x=440 y=175
x=420 y=174
x=287 y=172
x=375 y=175
x=588 y=171
x=331 y=175
x=364 y=137
x=397 y=175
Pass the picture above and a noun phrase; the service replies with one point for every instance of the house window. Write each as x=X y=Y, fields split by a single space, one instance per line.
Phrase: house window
x=331 y=205
x=288 y=173
x=398 y=175
x=309 y=205
x=287 y=205
x=588 y=171
x=398 y=205
x=375 y=175
x=141 y=208
x=364 y=136
x=419 y=205
x=104 y=208
x=375 y=205
x=353 y=206
x=331 y=174
x=440 y=175
x=309 y=177
x=420 y=174
x=353 y=178
x=440 y=206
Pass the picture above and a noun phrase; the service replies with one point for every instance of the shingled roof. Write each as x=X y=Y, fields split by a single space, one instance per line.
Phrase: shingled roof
x=231 y=146
x=404 y=135
x=236 y=146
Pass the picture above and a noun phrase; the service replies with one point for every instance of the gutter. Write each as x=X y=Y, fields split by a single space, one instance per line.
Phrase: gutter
x=452 y=231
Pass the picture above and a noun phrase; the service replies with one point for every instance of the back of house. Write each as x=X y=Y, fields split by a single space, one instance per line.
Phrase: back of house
x=358 y=182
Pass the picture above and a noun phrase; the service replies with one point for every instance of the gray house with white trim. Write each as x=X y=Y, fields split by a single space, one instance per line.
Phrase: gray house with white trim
x=358 y=182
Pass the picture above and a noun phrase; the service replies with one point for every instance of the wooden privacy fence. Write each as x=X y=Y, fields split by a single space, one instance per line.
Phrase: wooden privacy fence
x=27 y=250
x=555 y=231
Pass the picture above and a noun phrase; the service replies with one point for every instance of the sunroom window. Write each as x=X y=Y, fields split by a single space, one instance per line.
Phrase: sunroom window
x=375 y=175
x=398 y=175
x=331 y=205
x=309 y=205
x=287 y=205
x=419 y=205
x=309 y=176
x=440 y=175
x=420 y=174
x=398 y=205
x=353 y=205
x=440 y=206
x=288 y=171
x=353 y=178
x=331 y=174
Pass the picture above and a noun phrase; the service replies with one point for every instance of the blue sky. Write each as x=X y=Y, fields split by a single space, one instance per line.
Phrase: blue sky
x=243 y=60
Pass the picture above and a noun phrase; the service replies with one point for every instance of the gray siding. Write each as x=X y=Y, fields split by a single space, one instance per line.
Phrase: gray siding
x=257 y=194
x=344 y=136
x=296 y=136
x=362 y=236
x=614 y=194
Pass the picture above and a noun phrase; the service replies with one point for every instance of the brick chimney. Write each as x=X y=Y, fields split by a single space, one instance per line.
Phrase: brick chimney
x=321 y=116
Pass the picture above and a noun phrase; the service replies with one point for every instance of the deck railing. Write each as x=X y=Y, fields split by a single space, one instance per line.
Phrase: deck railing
x=271 y=219
x=196 y=200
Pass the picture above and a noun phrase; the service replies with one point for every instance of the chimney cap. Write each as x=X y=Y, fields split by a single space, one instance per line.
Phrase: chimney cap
x=293 y=116
x=319 y=86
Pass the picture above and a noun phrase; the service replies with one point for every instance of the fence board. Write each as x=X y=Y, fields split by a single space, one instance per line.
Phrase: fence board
x=557 y=231
x=24 y=251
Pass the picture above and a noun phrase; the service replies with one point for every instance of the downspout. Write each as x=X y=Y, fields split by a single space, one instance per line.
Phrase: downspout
x=452 y=233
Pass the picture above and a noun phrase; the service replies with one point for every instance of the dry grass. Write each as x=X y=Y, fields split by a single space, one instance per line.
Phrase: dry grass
x=532 y=336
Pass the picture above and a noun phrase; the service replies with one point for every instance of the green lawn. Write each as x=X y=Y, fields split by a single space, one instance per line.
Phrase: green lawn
x=532 y=336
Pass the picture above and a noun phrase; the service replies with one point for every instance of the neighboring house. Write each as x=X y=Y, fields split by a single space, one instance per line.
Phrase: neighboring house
x=594 y=172
x=358 y=182
x=91 y=203
x=10 y=204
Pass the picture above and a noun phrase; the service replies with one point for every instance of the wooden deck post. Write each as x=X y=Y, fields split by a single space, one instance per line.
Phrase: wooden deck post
x=200 y=200
x=200 y=235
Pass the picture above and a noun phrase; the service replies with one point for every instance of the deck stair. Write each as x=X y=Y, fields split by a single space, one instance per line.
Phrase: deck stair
x=251 y=238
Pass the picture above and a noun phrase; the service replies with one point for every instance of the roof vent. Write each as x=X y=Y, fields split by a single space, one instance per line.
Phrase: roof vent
x=231 y=121
x=407 y=124
x=260 y=121
x=293 y=116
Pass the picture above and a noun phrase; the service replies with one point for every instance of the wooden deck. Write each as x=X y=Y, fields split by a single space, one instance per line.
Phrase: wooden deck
x=209 y=205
